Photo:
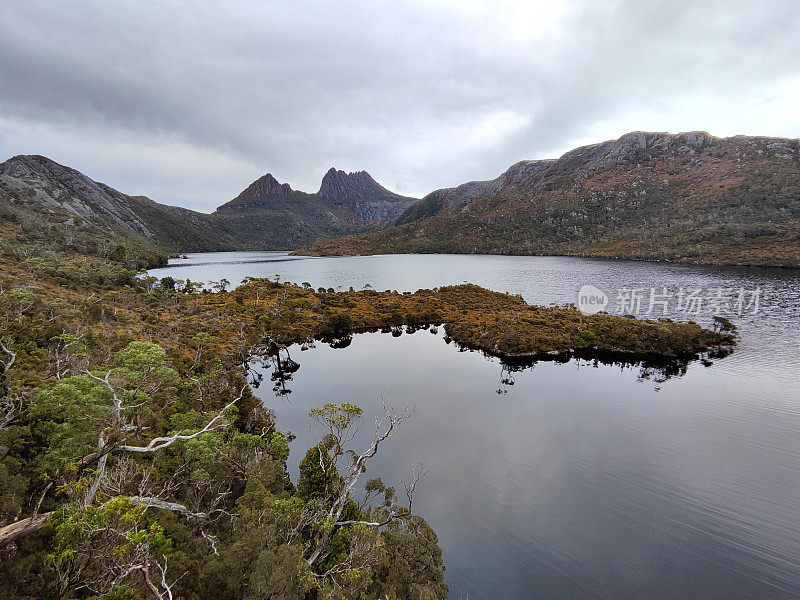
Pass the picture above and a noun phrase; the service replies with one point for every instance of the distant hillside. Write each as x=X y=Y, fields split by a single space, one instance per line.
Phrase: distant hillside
x=271 y=215
x=658 y=196
x=34 y=187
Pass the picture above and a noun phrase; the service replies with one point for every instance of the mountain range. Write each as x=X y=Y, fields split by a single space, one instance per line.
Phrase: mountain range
x=652 y=196
x=655 y=196
x=267 y=215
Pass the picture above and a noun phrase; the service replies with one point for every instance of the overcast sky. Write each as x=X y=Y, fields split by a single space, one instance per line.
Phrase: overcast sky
x=188 y=102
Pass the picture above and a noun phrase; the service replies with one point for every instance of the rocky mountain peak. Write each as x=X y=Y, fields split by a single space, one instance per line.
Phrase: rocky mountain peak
x=337 y=185
x=267 y=186
x=640 y=145
x=346 y=198
x=21 y=165
x=36 y=166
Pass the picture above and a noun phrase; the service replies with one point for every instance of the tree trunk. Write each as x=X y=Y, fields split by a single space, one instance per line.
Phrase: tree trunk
x=10 y=533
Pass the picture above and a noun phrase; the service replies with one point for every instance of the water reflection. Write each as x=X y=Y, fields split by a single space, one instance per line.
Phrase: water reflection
x=590 y=479
x=278 y=360
x=582 y=480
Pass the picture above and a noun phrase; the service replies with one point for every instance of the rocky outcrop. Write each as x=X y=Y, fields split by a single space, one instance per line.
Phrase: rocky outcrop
x=361 y=198
x=267 y=186
x=339 y=186
x=38 y=182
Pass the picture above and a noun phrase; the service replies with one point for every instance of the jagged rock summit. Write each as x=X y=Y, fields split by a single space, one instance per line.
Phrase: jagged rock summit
x=352 y=198
x=363 y=198
x=338 y=185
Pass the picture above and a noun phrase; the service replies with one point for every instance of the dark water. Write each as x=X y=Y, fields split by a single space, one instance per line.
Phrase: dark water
x=577 y=481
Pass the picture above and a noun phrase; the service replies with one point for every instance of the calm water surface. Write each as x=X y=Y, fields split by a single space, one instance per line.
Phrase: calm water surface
x=576 y=481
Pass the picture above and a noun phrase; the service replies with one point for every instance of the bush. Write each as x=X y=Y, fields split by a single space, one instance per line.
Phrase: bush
x=338 y=324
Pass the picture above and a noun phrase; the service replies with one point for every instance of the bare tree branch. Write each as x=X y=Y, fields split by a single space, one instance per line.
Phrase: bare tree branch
x=145 y=570
x=101 y=470
x=11 y=357
x=160 y=443
x=211 y=540
x=418 y=472
x=383 y=428
x=392 y=515
x=153 y=502
x=167 y=587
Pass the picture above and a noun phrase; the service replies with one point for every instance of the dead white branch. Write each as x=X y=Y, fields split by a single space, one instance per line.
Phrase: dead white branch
x=7 y=364
x=153 y=502
x=160 y=443
x=383 y=429
x=417 y=474
x=10 y=533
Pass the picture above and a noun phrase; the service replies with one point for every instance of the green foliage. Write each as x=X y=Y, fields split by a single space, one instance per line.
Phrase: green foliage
x=413 y=563
x=338 y=324
x=141 y=357
x=318 y=475
x=121 y=592
x=338 y=417
x=69 y=416
x=77 y=529
x=168 y=283
x=280 y=445
x=202 y=339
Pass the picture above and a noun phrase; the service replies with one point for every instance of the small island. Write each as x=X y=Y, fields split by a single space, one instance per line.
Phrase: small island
x=500 y=324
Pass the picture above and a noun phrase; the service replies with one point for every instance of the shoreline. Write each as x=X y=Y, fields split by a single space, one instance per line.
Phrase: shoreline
x=616 y=258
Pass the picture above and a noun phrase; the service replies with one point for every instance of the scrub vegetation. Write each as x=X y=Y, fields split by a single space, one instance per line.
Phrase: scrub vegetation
x=135 y=461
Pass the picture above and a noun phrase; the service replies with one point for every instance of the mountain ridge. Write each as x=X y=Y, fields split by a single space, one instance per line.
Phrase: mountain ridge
x=266 y=215
x=649 y=195
x=355 y=197
x=36 y=184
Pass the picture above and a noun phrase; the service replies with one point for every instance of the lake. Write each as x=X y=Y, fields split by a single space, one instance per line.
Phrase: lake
x=574 y=480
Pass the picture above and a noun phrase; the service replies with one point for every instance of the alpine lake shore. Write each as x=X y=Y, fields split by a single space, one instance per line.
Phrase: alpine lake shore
x=105 y=368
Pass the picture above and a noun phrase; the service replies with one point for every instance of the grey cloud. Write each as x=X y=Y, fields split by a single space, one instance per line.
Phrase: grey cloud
x=188 y=102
